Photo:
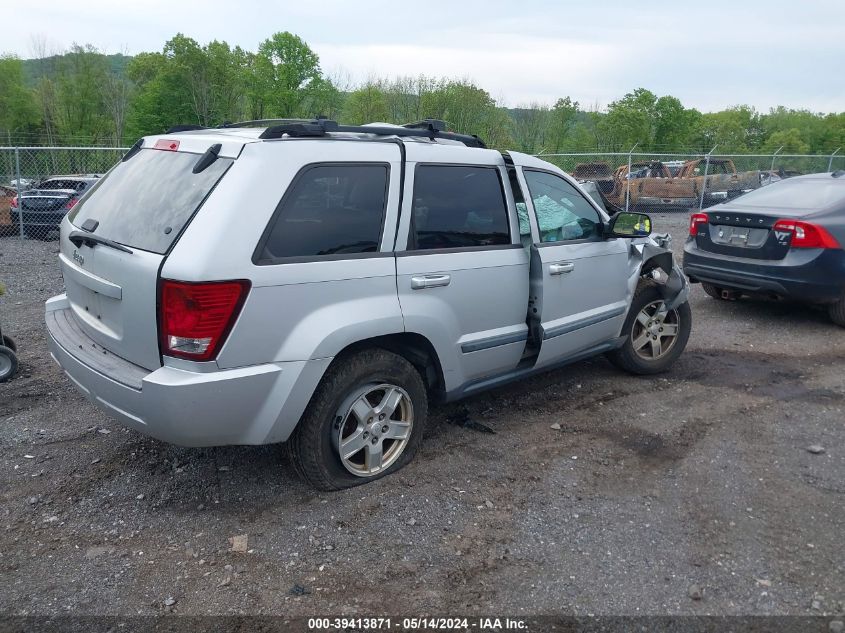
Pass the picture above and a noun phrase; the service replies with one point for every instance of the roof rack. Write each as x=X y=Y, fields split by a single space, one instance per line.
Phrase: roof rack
x=319 y=127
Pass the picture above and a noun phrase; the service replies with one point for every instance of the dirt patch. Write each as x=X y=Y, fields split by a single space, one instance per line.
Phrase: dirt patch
x=697 y=477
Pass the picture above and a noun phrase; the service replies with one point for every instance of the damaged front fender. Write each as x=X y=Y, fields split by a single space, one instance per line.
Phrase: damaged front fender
x=652 y=257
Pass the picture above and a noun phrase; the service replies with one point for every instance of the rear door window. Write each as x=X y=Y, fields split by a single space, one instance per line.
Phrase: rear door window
x=146 y=201
x=329 y=210
x=458 y=207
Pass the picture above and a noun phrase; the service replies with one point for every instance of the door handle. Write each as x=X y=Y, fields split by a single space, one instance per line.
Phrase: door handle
x=563 y=267
x=430 y=281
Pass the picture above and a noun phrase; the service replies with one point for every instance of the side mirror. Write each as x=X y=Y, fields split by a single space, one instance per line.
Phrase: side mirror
x=630 y=225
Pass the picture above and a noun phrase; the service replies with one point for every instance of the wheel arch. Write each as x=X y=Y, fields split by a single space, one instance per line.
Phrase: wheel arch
x=413 y=347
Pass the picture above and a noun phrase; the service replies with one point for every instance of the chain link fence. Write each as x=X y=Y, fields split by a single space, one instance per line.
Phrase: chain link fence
x=663 y=182
x=39 y=185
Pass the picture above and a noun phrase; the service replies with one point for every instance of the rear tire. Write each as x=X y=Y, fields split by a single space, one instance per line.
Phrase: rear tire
x=8 y=363
x=346 y=412
x=837 y=312
x=646 y=353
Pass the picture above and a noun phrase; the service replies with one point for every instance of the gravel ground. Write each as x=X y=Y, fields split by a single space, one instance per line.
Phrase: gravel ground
x=689 y=493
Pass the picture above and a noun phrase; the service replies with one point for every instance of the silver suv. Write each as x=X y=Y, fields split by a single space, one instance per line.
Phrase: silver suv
x=319 y=285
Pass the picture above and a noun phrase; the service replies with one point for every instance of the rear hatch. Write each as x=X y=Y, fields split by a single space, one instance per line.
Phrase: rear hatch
x=118 y=236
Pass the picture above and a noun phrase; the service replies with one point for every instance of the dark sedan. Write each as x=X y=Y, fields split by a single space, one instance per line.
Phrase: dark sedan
x=784 y=240
x=44 y=206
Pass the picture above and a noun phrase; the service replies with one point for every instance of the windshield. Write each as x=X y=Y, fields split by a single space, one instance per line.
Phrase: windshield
x=146 y=201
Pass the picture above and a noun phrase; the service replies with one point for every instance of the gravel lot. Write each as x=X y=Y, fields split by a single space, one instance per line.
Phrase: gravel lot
x=690 y=493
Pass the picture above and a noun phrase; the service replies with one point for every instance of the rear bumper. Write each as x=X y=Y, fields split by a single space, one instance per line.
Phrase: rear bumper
x=814 y=276
x=49 y=219
x=653 y=202
x=260 y=404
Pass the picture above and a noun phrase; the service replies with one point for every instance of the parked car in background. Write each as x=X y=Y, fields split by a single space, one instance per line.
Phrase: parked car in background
x=677 y=186
x=6 y=196
x=45 y=205
x=319 y=284
x=722 y=181
x=650 y=185
x=597 y=172
x=784 y=240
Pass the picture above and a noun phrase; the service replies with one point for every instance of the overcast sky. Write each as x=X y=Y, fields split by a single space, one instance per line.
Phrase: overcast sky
x=711 y=53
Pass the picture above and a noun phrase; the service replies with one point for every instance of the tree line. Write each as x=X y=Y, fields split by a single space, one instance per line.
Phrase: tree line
x=84 y=97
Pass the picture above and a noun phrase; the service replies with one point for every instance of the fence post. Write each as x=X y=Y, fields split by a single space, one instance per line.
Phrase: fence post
x=19 y=189
x=774 y=156
x=628 y=191
x=704 y=182
x=830 y=163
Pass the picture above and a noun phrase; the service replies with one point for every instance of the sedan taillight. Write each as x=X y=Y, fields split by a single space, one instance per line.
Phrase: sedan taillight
x=196 y=318
x=14 y=202
x=71 y=203
x=695 y=220
x=806 y=235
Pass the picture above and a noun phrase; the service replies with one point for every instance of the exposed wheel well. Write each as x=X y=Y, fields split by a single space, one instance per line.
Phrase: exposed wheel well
x=415 y=348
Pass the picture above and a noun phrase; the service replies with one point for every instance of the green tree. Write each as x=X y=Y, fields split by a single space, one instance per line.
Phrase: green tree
x=736 y=129
x=789 y=141
x=18 y=108
x=367 y=104
x=630 y=120
x=284 y=70
x=80 y=111
x=674 y=125
x=562 y=121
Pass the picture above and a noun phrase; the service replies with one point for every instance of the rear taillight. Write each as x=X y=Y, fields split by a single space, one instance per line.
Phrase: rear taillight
x=806 y=235
x=14 y=202
x=697 y=219
x=71 y=203
x=196 y=318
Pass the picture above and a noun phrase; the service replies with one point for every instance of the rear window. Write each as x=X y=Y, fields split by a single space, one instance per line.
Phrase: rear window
x=458 y=207
x=799 y=194
x=147 y=201
x=76 y=185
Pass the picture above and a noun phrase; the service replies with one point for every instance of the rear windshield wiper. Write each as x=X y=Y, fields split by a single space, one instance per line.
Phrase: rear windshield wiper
x=79 y=238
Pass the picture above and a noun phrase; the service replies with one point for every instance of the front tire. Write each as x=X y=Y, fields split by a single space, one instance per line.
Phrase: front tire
x=364 y=421
x=653 y=339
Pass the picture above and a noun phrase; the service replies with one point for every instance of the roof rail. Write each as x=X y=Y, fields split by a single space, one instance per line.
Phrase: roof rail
x=427 y=124
x=430 y=128
x=264 y=122
x=174 y=129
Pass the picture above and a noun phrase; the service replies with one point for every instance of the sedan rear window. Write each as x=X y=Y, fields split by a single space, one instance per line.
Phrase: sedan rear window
x=803 y=194
x=146 y=201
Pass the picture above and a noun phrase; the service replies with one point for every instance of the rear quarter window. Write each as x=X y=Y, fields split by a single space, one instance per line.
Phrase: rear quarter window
x=328 y=210
x=146 y=201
